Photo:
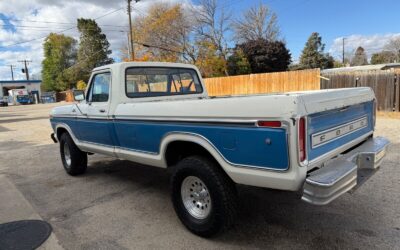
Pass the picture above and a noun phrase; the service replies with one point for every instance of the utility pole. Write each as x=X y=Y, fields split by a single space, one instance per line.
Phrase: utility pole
x=343 y=50
x=129 y=47
x=130 y=29
x=26 y=68
x=12 y=71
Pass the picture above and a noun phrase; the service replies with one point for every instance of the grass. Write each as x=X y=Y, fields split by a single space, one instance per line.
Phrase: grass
x=387 y=114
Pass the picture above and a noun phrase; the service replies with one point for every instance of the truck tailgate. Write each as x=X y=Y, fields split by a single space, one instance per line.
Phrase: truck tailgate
x=331 y=129
x=336 y=118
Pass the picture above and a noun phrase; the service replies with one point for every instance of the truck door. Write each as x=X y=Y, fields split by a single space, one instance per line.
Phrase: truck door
x=94 y=126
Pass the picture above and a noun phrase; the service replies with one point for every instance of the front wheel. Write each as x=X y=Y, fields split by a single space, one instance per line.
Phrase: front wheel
x=203 y=196
x=73 y=159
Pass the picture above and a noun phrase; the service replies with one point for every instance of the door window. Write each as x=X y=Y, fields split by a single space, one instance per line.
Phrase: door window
x=100 y=88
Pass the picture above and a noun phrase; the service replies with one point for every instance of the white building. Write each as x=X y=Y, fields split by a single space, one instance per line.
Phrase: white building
x=32 y=86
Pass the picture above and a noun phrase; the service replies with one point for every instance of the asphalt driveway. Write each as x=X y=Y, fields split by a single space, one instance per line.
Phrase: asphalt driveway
x=121 y=205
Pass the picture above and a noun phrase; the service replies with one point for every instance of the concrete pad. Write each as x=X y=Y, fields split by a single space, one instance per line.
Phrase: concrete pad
x=14 y=206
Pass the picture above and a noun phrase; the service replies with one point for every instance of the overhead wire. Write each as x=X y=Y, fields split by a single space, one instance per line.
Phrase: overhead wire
x=53 y=22
x=39 y=38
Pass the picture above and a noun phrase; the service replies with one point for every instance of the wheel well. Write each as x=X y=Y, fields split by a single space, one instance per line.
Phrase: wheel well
x=61 y=131
x=178 y=150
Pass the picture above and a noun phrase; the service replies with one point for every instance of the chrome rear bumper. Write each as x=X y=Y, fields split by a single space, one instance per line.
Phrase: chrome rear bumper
x=344 y=172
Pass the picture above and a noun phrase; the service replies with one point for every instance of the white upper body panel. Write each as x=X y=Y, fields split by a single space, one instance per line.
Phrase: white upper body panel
x=200 y=106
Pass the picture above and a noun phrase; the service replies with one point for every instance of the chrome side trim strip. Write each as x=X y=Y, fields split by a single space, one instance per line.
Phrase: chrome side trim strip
x=137 y=151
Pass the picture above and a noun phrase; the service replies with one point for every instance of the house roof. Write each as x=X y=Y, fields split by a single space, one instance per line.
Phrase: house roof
x=20 y=81
x=363 y=68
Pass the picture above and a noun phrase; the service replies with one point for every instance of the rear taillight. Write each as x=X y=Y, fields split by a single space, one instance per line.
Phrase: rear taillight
x=270 y=124
x=302 y=139
x=374 y=113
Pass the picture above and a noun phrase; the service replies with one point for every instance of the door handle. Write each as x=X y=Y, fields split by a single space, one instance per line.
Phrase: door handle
x=102 y=110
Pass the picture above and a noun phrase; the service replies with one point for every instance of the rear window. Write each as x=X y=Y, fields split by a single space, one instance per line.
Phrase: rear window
x=157 y=81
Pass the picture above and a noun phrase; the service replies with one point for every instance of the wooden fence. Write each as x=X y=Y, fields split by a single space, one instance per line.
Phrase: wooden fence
x=67 y=96
x=264 y=83
x=384 y=83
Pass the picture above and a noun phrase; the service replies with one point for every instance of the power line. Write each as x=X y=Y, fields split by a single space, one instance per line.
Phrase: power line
x=39 y=38
x=42 y=28
x=35 y=39
x=158 y=47
x=51 y=22
x=109 y=13
x=57 y=31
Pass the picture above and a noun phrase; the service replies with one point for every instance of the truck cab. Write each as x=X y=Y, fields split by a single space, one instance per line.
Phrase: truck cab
x=319 y=143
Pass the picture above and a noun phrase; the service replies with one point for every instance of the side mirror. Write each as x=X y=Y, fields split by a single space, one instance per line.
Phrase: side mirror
x=79 y=95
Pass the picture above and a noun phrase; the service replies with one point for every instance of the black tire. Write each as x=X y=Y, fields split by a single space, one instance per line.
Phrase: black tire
x=221 y=189
x=78 y=160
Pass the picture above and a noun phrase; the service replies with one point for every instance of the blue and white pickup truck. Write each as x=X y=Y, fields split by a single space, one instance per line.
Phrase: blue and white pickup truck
x=159 y=114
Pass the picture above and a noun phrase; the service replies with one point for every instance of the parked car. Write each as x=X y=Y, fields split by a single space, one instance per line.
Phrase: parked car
x=3 y=102
x=159 y=114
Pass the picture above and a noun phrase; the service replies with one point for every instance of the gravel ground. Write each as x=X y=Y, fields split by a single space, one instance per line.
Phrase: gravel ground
x=121 y=205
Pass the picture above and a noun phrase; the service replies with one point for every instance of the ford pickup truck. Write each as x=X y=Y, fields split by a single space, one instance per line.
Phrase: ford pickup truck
x=317 y=143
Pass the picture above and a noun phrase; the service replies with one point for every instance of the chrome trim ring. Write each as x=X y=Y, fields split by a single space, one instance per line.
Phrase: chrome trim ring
x=195 y=197
x=67 y=154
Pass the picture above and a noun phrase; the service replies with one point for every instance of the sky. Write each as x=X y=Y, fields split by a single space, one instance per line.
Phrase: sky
x=25 y=23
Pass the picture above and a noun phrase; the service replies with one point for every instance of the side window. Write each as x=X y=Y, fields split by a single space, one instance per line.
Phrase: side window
x=160 y=81
x=100 y=88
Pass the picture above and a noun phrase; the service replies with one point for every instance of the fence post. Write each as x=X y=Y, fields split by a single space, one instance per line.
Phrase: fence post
x=396 y=93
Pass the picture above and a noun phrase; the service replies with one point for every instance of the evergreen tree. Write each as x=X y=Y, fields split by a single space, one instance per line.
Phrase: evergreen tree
x=93 y=49
x=59 y=55
x=238 y=63
x=266 y=56
x=313 y=55
x=359 y=58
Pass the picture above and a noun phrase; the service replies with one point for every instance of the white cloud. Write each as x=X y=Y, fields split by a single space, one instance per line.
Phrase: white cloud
x=371 y=43
x=39 y=11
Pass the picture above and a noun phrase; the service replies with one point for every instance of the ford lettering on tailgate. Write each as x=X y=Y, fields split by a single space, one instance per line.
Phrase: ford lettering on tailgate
x=326 y=136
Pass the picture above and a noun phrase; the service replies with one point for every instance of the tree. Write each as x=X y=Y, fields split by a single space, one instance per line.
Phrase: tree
x=266 y=56
x=213 y=26
x=81 y=85
x=208 y=61
x=257 y=23
x=59 y=55
x=338 y=64
x=238 y=63
x=93 y=49
x=394 y=46
x=164 y=34
x=177 y=33
x=383 y=57
x=359 y=58
x=313 y=55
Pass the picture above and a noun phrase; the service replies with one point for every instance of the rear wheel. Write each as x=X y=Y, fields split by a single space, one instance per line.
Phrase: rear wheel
x=73 y=159
x=204 y=197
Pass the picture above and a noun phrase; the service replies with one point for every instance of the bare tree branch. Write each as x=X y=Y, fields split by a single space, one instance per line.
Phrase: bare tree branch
x=257 y=23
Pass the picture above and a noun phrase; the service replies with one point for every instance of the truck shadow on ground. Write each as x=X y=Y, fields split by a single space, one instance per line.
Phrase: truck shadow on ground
x=265 y=216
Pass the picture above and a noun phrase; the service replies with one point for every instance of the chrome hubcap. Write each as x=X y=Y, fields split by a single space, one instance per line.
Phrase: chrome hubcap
x=67 y=154
x=195 y=197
